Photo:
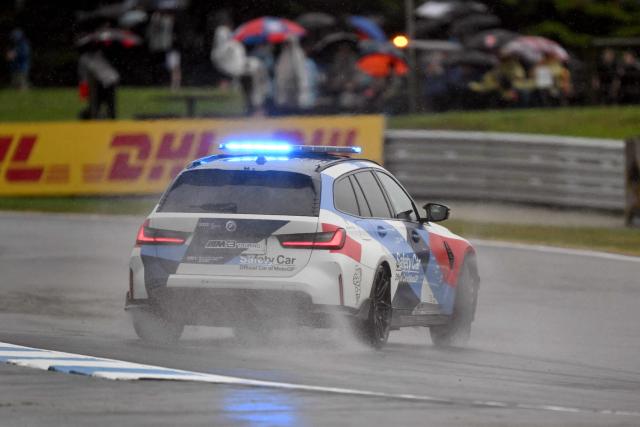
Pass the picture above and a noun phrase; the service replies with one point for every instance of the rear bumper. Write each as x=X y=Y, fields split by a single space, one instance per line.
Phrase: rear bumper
x=233 y=307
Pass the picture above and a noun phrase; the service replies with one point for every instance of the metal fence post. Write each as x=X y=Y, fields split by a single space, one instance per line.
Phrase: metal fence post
x=632 y=178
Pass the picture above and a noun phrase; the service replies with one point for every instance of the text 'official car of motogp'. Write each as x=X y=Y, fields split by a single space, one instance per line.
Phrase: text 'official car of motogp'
x=271 y=232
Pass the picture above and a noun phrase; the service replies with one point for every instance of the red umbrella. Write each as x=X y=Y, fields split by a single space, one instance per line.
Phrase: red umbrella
x=110 y=36
x=267 y=30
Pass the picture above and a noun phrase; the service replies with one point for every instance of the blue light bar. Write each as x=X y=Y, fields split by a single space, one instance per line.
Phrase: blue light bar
x=277 y=147
x=257 y=147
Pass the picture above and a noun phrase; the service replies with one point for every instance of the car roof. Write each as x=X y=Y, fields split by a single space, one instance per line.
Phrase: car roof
x=308 y=163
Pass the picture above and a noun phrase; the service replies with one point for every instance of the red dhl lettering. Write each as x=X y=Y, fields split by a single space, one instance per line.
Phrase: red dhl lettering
x=134 y=151
x=18 y=170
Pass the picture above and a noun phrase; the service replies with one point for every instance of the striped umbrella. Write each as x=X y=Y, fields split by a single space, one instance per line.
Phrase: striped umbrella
x=533 y=48
x=267 y=30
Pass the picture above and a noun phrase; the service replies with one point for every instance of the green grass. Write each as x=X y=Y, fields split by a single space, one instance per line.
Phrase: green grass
x=596 y=122
x=616 y=240
x=124 y=205
x=599 y=122
x=607 y=239
x=58 y=104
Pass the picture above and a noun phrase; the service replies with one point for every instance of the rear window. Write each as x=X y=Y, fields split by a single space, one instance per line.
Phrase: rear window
x=242 y=192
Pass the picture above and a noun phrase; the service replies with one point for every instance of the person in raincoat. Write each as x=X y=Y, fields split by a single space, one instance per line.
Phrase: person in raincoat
x=228 y=55
x=98 y=83
x=293 y=89
x=503 y=83
x=19 y=58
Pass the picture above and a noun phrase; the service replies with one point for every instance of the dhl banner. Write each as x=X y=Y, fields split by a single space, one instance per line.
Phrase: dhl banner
x=139 y=157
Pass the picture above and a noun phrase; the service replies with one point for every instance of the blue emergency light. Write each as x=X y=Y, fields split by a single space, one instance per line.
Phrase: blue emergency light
x=279 y=147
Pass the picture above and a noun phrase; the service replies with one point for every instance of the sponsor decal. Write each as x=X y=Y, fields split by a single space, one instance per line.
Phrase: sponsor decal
x=231 y=226
x=247 y=247
x=267 y=263
x=357 y=281
x=408 y=267
x=129 y=157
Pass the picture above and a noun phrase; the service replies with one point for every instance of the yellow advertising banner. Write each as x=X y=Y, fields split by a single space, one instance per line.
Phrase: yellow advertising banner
x=141 y=157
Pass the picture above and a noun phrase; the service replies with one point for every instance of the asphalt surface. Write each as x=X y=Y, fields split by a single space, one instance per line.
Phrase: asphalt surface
x=556 y=342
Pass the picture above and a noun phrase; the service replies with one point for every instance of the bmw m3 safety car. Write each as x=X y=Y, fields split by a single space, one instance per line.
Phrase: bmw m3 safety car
x=269 y=232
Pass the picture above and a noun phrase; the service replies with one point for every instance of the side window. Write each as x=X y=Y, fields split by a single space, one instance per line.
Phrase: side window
x=344 y=199
x=402 y=205
x=362 y=202
x=373 y=194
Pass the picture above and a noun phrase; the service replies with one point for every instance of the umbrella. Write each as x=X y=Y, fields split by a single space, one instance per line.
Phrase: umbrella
x=110 y=36
x=533 y=49
x=132 y=18
x=473 y=23
x=367 y=47
x=472 y=58
x=333 y=39
x=316 y=20
x=381 y=59
x=110 y=11
x=166 y=5
x=267 y=30
x=490 y=40
x=367 y=28
x=382 y=65
x=449 y=10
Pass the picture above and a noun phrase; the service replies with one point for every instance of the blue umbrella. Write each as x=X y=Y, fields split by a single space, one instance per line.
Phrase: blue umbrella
x=367 y=27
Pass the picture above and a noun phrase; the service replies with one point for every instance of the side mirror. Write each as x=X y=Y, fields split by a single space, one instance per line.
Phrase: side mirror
x=436 y=212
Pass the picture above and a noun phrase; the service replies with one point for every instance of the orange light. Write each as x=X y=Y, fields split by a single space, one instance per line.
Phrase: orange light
x=400 y=41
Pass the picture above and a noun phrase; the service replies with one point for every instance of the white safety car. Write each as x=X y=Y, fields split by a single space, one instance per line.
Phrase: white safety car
x=269 y=232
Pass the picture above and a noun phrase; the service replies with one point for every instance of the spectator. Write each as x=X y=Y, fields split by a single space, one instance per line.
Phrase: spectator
x=256 y=86
x=98 y=82
x=173 y=65
x=228 y=56
x=629 y=78
x=292 y=83
x=436 y=90
x=19 y=58
x=606 y=72
x=502 y=85
x=160 y=41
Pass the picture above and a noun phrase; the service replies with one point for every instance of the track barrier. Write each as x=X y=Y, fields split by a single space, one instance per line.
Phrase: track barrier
x=141 y=157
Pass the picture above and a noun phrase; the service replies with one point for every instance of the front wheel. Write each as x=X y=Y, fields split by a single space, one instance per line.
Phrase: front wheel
x=458 y=331
x=155 y=328
x=375 y=329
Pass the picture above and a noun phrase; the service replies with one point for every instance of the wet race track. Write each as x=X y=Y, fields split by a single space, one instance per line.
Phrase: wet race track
x=556 y=342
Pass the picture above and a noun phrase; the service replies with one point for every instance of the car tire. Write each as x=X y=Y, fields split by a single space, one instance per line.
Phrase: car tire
x=154 y=328
x=457 y=332
x=374 y=330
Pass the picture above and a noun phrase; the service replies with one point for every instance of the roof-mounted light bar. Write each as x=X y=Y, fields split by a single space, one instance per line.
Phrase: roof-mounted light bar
x=278 y=147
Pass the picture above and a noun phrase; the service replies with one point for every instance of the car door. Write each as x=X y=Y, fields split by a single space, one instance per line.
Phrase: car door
x=385 y=229
x=420 y=279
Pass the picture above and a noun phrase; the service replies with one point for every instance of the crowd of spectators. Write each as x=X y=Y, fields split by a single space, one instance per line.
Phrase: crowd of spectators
x=336 y=67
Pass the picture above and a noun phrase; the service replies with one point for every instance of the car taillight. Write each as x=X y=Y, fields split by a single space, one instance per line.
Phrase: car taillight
x=326 y=240
x=149 y=236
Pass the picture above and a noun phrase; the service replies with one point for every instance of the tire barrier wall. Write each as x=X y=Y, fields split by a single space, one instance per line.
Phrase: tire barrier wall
x=547 y=170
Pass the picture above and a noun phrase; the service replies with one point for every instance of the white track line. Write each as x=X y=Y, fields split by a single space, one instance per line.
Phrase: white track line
x=121 y=370
x=555 y=250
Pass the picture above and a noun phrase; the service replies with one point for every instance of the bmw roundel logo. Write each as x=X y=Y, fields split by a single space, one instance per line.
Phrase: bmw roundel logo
x=231 y=226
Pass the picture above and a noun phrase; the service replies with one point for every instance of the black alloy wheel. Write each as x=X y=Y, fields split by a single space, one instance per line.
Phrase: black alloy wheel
x=375 y=330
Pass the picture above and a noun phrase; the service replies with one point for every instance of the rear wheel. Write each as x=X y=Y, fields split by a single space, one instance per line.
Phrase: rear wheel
x=375 y=329
x=155 y=328
x=458 y=331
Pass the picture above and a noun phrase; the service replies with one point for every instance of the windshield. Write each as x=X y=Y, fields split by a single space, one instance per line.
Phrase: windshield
x=242 y=192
